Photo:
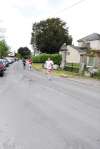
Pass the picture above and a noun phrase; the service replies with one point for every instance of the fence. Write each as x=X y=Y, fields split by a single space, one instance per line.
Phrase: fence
x=73 y=67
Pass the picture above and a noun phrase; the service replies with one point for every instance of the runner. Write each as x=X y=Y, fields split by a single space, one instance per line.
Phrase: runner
x=49 y=67
x=24 y=63
x=30 y=63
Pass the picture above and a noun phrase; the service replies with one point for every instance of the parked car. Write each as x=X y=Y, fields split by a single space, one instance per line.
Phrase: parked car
x=1 y=68
x=4 y=63
x=10 y=59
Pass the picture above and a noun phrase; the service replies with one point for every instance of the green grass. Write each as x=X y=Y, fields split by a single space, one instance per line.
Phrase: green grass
x=73 y=65
x=60 y=72
x=37 y=66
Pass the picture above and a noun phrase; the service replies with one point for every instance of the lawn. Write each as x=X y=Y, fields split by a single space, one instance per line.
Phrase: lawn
x=37 y=66
x=60 y=72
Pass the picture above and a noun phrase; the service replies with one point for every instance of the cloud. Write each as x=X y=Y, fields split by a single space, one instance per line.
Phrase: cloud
x=17 y=17
x=29 y=5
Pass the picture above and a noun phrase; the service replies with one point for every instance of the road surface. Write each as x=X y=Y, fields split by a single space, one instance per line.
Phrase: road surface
x=37 y=113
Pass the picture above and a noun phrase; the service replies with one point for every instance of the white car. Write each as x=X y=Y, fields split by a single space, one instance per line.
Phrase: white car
x=10 y=59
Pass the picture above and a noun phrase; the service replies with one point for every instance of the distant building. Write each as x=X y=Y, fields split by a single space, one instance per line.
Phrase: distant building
x=11 y=54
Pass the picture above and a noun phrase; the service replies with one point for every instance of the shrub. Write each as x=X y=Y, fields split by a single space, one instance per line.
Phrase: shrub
x=43 y=57
x=98 y=74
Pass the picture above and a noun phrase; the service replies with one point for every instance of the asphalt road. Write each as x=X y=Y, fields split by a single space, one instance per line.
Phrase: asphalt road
x=36 y=113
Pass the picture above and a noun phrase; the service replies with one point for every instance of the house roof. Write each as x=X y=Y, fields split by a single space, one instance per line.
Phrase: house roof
x=79 y=49
x=90 y=37
x=63 y=47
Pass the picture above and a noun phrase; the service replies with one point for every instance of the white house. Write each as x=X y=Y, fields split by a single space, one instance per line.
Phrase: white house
x=91 y=41
x=92 y=44
x=71 y=54
x=74 y=54
x=87 y=52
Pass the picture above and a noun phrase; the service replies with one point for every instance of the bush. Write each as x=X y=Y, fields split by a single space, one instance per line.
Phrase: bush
x=98 y=74
x=43 y=57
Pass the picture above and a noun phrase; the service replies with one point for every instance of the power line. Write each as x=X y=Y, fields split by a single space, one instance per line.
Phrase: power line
x=71 y=6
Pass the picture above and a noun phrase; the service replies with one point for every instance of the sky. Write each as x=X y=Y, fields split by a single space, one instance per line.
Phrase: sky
x=17 y=17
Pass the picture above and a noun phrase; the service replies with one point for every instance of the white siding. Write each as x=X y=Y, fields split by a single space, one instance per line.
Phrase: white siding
x=73 y=56
x=95 y=44
x=80 y=44
x=84 y=44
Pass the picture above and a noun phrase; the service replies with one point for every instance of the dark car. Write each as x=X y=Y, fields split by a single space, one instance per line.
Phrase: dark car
x=1 y=68
x=6 y=62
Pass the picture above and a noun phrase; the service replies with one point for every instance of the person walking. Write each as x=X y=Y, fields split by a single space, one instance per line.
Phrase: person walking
x=49 y=66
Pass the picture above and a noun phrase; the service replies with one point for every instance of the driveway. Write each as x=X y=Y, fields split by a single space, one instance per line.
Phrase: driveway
x=37 y=113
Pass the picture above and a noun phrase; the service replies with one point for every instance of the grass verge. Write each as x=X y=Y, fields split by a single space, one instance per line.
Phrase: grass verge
x=63 y=73
x=60 y=72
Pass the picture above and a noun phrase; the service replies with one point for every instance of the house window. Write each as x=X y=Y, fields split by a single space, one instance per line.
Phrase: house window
x=91 y=61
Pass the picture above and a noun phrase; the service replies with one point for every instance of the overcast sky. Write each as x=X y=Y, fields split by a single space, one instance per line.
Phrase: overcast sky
x=17 y=17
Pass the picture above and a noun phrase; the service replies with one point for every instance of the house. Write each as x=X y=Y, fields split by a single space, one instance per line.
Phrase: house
x=91 y=57
x=71 y=54
x=74 y=54
x=86 y=53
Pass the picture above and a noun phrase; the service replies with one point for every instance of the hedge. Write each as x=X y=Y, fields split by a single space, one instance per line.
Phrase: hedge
x=43 y=57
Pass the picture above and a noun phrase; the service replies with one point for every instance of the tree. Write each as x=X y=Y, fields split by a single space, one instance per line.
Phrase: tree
x=24 y=52
x=49 y=35
x=4 y=49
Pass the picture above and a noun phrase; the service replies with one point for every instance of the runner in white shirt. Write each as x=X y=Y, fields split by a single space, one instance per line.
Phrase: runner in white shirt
x=49 y=67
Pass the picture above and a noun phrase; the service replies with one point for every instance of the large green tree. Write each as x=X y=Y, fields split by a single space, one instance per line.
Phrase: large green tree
x=49 y=35
x=24 y=52
x=4 y=48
